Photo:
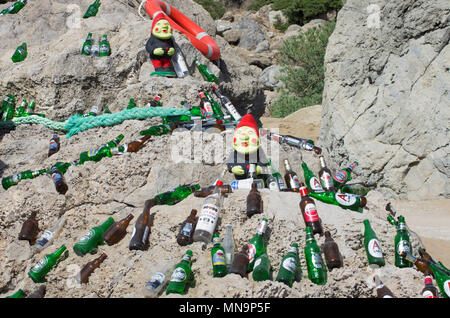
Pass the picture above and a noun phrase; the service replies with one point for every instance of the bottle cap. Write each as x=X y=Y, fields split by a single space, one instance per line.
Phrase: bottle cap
x=219 y=183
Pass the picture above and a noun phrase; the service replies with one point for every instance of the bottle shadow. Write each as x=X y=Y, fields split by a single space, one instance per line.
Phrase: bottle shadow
x=3 y=167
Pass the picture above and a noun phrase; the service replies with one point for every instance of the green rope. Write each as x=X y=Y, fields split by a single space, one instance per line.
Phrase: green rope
x=78 y=123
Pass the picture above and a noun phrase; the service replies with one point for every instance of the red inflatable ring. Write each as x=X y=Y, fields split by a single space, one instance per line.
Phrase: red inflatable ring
x=198 y=37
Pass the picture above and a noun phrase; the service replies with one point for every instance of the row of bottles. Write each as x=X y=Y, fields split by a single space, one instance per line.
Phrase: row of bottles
x=100 y=48
x=8 y=109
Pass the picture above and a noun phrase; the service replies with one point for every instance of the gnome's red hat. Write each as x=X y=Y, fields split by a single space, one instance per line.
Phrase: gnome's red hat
x=248 y=121
x=159 y=16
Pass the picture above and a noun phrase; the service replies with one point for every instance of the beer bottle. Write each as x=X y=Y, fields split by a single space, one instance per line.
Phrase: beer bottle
x=309 y=211
x=182 y=276
x=184 y=237
x=156 y=102
x=95 y=50
x=176 y=195
x=254 y=202
x=372 y=246
x=92 y=112
x=204 y=192
x=246 y=184
x=9 y=108
x=20 y=54
x=87 y=45
x=38 y=272
x=135 y=145
x=291 y=178
x=312 y=182
x=421 y=264
x=325 y=176
x=20 y=111
x=442 y=279
x=429 y=291
x=314 y=263
x=90 y=241
x=178 y=118
x=290 y=269
x=382 y=290
x=275 y=180
x=47 y=238
x=206 y=73
x=206 y=105
x=98 y=154
x=228 y=245
x=131 y=104
x=359 y=188
x=38 y=293
x=106 y=110
x=105 y=48
x=427 y=257
x=117 y=231
x=257 y=246
x=158 y=130
x=218 y=113
x=240 y=262
x=344 y=200
x=90 y=267
x=402 y=244
x=92 y=9
x=343 y=176
x=19 y=294
x=14 y=8
x=227 y=104
x=13 y=180
x=30 y=229
x=331 y=252
x=209 y=216
x=158 y=281
x=54 y=145
x=218 y=258
x=139 y=238
x=261 y=269
x=30 y=108
x=58 y=180
x=61 y=166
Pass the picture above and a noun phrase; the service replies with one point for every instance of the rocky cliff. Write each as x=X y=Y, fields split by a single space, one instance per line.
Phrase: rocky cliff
x=386 y=97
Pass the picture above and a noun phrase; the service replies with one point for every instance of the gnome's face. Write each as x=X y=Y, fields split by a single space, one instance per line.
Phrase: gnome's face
x=245 y=140
x=162 y=30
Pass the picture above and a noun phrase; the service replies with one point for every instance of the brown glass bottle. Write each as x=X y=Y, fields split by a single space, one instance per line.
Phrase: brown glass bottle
x=421 y=263
x=90 y=267
x=134 y=146
x=325 y=176
x=187 y=229
x=291 y=178
x=117 y=231
x=382 y=290
x=30 y=229
x=38 y=293
x=240 y=262
x=309 y=211
x=58 y=180
x=204 y=192
x=54 y=145
x=429 y=291
x=254 y=201
x=331 y=251
x=141 y=232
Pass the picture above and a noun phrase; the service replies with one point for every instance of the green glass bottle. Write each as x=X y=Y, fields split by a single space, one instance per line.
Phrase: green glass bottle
x=158 y=130
x=13 y=180
x=343 y=176
x=38 y=272
x=20 y=54
x=372 y=246
x=275 y=180
x=194 y=110
x=317 y=272
x=290 y=269
x=442 y=279
x=105 y=150
x=90 y=241
x=92 y=10
x=176 y=118
x=402 y=244
x=19 y=294
x=8 y=107
x=105 y=48
x=216 y=107
x=87 y=45
x=106 y=110
x=30 y=108
x=182 y=276
x=358 y=188
x=131 y=104
x=20 y=111
x=218 y=258
x=206 y=73
x=61 y=166
x=344 y=200
x=312 y=182
x=176 y=195
x=14 y=8
x=257 y=246
x=261 y=268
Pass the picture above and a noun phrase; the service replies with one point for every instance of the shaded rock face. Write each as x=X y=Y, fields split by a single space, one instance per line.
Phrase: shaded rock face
x=386 y=96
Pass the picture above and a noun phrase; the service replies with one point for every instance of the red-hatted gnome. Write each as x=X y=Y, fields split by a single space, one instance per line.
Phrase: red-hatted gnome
x=246 y=145
x=161 y=46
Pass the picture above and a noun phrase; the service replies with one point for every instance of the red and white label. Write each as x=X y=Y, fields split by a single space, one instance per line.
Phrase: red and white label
x=311 y=214
x=341 y=176
x=374 y=248
x=326 y=179
x=428 y=294
x=251 y=252
x=447 y=287
x=295 y=182
x=345 y=199
x=315 y=185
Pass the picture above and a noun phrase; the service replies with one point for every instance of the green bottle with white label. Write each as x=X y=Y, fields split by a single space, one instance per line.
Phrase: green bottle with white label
x=182 y=276
x=90 y=241
x=218 y=258
x=257 y=246
x=38 y=272
x=344 y=200
x=402 y=244
x=317 y=272
x=290 y=269
x=372 y=246
x=20 y=54
x=87 y=45
x=312 y=182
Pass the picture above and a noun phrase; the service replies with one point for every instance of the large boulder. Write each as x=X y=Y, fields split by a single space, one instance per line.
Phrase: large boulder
x=385 y=101
x=252 y=34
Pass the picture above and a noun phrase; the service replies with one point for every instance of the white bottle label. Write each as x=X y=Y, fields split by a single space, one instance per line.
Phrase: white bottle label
x=316 y=260
x=345 y=199
x=289 y=264
x=178 y=275
x=326 y=179
x=187 y=229
x=315 y=185
x=374 y=248
x=428 y=294
x=86 y=237
x=156 y=280
x=47 y=236
x=273 y=185
x=295 y=182
x=403 y=246
x=208 y=218
x=447 y=287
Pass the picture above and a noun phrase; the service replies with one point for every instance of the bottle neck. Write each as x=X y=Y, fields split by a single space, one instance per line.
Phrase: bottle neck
x=287 y=165
x=322 y=162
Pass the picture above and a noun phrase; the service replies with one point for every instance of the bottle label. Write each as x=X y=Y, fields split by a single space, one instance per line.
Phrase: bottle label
x=15 y=178
x=209 y=110
x=341 y=176
x=316 y=260
x=403 y=246
x=156 y=280
x=104 y=49
x=53 y=144
x=251 y=252
x=85 y=239
x=326 y=179
x=315 y=185
x=208 y=217
x=311 y=213
x=178 y=275
x=40 y=265
x=92 y=153
x=447 y=287
x=289 y=264
x=345 y=199
x=387 y=296
x=187 y=229
x=273 y=185
x=87 y=49
x=47 y=236
x=428 y=294
x=281 y=184
x=219 y=258
x=374 y=248
x=294 y=182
